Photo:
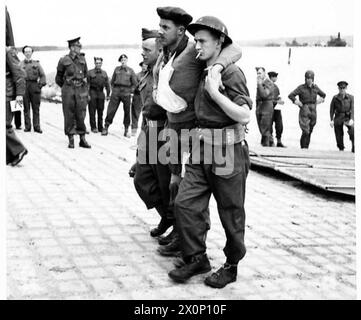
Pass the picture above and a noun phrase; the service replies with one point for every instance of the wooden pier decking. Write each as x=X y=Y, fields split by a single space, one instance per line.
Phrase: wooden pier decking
x=332 y=171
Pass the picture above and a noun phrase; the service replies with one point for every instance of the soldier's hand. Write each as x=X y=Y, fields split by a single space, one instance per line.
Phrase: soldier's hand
x=281 y=102
x=331 y=123
x=19 y=99
x=132 y=170
x=173 y=188
x=88 y=98
x=212 y=83
x=215 y=72
x=320 y=100
x=298 y=103
x=154 y=94
x=350 y=123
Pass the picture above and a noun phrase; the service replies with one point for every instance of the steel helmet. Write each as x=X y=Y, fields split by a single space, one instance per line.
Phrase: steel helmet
x=212 y=23
x=309 y=74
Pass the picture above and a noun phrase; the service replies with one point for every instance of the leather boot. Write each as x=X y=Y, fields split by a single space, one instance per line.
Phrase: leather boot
x=126 y=132
x=224 y=275
x=280 y=144
x=195 y=265
x=162 y=227
x=105 y=130
x=172 y=249
x=83 y=143
x=163 y=241
x=71 y=141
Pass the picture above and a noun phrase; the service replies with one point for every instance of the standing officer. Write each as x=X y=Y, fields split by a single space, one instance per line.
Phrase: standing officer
x=277 y=114
x=71 y=76
x=15 y=89
x=342 y=113
x=152 y=179
x=307 y=101
x=35 y=80
x=221 y=118
x=264 y=106
x=97 y=81
x=180 y=70
x=136 y=102
x=123 y=84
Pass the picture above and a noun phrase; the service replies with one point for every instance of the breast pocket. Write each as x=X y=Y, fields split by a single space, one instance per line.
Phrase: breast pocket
x=69 y=69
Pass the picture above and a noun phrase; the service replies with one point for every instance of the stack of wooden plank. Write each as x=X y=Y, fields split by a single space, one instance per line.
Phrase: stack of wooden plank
x=333 y=171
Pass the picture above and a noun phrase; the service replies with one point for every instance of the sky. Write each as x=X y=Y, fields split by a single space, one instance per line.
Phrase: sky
x=52 y=22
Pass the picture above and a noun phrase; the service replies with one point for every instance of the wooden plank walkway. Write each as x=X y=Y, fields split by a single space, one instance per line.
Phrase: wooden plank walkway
x=332 y=171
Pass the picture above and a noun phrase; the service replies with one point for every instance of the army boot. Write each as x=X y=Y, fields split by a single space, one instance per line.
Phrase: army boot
x=83 y=143
x=71 y=141
x=126 y=132
x=280 y=144
x=163 y=241
x=194 y=265
x=172 y=249
x=224 y=275
x=105 y=130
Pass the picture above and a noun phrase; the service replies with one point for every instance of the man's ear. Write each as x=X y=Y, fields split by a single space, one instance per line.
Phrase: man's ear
x=181 y=30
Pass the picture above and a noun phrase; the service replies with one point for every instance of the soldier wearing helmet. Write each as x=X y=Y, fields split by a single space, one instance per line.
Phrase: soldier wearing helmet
x=180 y=71
x=307 y=101
x=222 y=114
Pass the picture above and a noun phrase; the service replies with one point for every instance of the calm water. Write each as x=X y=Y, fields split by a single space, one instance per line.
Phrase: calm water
x=330 y=65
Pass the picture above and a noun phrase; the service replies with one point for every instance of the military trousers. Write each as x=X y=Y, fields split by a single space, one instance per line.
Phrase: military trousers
x=13 y=144
x=17 y=119
x=152 y=178
x=74 y=100
x=96 y=109
x=116 y=98
x=277 y=120
x=136 y=109
x=338 y=128
x=307 y=119
x=199 y=183
x=264 y=116
x=32 y=99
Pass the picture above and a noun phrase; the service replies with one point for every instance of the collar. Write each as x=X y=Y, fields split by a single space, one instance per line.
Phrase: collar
x=181 y=46
x=98 y=70
x=339 y=95
x=28 y=61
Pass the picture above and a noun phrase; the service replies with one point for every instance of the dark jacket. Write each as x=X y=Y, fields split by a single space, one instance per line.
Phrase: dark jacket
x=98 y=80
x=15 y=75
x=71 y=68
x=342 y=109
x=306 y=94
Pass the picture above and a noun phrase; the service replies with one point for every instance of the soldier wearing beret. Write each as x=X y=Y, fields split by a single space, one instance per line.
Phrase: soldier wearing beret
x=152 y=179
x=179 y=54
x=15 y=89
x=71 y=76
x=35 y=80
x=307 y=102
x=342 y=114
x=97 y=81
x=277 y=113
x=123 y=83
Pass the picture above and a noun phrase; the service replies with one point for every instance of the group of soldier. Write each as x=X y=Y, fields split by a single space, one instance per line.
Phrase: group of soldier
x=306 y=96
x=184 y=86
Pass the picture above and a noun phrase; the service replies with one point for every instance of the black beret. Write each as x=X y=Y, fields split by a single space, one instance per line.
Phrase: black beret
x=342 y=83
x=98 y=58
x=272 y=74
x=72 y=41
x=122 y=56
x=147 y=34
x=23 y=49
x=177 y=15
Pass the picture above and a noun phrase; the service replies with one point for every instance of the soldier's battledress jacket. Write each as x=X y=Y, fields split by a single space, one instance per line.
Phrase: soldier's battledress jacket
x=71 y=69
